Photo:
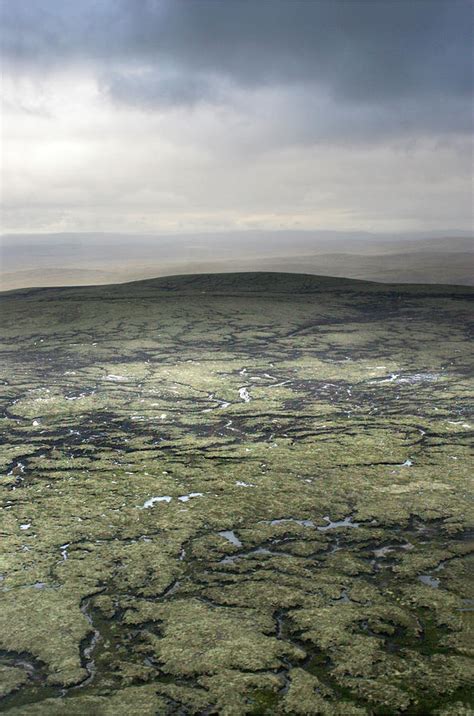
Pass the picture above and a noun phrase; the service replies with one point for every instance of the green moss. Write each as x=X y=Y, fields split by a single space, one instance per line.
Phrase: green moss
x=11 y=678
x=265 y=408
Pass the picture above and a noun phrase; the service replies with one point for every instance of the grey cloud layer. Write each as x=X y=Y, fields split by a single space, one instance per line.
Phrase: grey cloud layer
x=180 y=52
x=183 y=115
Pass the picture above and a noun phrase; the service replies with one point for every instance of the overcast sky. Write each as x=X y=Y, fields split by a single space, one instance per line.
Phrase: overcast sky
x=197 y=115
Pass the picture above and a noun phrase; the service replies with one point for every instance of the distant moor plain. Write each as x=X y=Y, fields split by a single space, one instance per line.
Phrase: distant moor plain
x=236 y=494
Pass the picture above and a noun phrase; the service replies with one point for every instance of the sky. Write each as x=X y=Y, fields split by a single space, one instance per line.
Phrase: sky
x=206 y=115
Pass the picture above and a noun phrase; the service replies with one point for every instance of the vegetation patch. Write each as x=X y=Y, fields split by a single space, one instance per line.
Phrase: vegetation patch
x=237 y=494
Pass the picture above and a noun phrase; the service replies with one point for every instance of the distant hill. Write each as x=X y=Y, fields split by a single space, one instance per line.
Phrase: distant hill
x=258 y=284
x=87 y=259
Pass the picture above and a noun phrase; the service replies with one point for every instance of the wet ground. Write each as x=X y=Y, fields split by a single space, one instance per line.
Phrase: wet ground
x=236 y=494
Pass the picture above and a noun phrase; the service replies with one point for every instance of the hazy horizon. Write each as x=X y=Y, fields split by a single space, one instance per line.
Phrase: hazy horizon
x=93 y=258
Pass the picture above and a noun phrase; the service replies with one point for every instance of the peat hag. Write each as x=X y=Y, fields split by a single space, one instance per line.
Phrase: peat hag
x=236 y=494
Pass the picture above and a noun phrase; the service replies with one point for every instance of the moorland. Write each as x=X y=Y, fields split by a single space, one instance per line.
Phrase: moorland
x=236 y=494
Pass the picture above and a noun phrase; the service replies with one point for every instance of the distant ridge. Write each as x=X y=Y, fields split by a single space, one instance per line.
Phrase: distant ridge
x=72 y=260
x=237 y=283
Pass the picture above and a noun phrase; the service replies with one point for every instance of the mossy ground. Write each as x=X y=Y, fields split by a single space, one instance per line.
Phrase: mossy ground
x=310 y=442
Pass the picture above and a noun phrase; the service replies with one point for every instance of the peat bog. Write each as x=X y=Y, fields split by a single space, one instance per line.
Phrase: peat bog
x=236 y=494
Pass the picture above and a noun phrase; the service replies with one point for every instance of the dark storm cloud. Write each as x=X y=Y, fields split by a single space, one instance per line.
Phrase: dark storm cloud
x=146 y=88
x=203 y=114
x=359 y=50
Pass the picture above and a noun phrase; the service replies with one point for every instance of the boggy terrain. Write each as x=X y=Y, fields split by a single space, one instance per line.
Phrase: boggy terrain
x=236 y=494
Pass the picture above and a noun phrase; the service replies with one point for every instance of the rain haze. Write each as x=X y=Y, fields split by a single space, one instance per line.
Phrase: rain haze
x=156 y=137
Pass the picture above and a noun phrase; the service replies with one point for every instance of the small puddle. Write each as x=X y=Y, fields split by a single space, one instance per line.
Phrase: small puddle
x=428 y=580
x=220 y=404
x=231 y=537
x=419 y=378
x=185 y=498
x=233 y=558
x=154 y=500
x=343 y=599
x=346 y=522
x=302 y=523
x=383 y=551
x=17 y=469
x=244 y=395
x=63 y=548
